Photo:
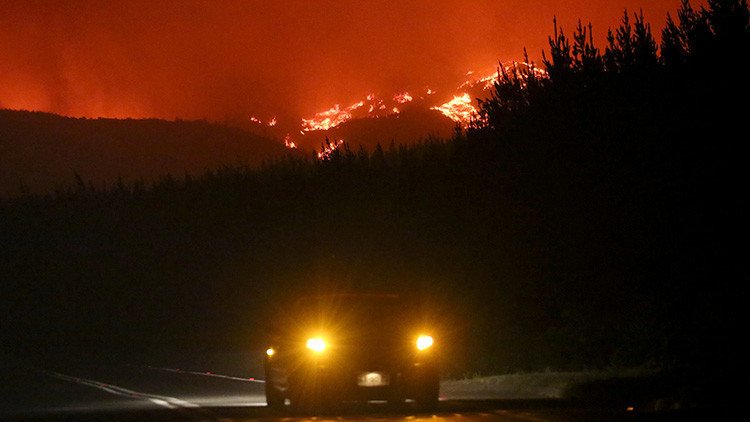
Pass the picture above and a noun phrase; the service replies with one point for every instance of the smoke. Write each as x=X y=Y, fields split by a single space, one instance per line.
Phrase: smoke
x=229 y=59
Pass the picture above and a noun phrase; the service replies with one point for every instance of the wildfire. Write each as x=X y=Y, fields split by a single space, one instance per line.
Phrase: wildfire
x=375 y=105
x=328 y=149
x=402 y=98
x=271 y=122
x=371 y=106
x=288 y=142
x=332 y=117
x=459 y=109
x=487 y=82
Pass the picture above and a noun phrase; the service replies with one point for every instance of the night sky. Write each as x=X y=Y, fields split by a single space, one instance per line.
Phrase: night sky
x=223 y=60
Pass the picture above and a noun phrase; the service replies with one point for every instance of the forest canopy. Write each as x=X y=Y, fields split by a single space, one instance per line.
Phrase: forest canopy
x=587 y=218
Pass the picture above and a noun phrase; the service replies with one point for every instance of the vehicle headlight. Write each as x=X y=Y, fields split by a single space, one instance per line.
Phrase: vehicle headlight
x=316 y=344
x=424 y=342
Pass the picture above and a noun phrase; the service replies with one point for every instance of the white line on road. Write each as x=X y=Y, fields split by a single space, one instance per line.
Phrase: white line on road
x=164 y=401
x=206 y=374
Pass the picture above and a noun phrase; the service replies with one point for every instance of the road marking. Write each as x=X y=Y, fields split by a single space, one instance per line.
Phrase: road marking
x=164 y=401
x=161 y=402
x=206 y=374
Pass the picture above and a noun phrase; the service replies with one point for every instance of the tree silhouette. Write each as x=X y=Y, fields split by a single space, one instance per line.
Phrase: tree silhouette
x=588 y=215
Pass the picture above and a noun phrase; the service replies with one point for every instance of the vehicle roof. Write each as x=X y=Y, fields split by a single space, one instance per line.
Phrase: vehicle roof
x=349 y=295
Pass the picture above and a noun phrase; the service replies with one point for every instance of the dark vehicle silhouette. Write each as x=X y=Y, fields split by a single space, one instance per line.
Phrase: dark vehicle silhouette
x=330 y=349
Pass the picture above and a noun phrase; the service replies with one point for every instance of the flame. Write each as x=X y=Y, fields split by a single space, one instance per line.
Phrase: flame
x=288 y=142
x=330 y=118
x=459 y=109
x=488 y=82
x=271 y=122
x=402 y=98
x=329 y=148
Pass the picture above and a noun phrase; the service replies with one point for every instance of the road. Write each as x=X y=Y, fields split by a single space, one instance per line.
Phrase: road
x=147 y=393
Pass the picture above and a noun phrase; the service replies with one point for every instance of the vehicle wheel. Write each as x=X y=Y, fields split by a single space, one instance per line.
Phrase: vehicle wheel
x=396 y=400
x=312 y=404
x=304 y=403
x=274 y=398
x=427 y=397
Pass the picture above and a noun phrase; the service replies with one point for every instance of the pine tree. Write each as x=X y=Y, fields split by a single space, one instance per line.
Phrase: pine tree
x=620 y=53
x=729 y=20
x=674 y=50
x=586 y=57
x=644 y=45
x=559 y=66
x=695 y=29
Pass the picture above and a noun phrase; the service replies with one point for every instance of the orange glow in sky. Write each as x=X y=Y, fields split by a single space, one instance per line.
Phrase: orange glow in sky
x=229 y=59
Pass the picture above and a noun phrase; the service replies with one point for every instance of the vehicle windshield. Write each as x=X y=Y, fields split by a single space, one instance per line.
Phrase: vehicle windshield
x=355 y=315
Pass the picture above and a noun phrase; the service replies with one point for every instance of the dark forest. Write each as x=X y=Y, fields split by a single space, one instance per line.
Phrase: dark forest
x=591 y=218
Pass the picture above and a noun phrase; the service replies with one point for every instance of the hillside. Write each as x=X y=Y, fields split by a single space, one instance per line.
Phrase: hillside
x=405 y=128
x=40 y=152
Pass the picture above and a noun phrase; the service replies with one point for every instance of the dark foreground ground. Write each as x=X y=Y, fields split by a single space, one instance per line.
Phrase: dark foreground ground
x=133 y=393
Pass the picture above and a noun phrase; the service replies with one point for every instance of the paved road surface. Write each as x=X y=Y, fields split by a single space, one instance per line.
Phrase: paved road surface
x=145 y=393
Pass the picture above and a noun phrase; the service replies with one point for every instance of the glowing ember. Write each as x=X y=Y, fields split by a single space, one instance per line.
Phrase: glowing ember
x=329 y=148
x=288 y=142
x=459 y=109
x=325 y=120
x=488 y=81
x=332 y=117
x=271 y=122
x=402 y=98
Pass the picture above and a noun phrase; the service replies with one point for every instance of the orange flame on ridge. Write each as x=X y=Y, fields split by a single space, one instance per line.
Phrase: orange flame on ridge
x=332 y=117
x=402 y=98
x=459 y=109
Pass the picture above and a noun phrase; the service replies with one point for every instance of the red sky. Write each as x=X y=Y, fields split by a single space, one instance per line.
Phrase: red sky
x=228 y=59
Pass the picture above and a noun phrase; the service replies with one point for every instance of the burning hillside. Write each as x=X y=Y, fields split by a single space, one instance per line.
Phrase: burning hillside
x=457 y=103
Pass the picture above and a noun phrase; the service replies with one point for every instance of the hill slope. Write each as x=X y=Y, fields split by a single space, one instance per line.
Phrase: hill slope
x=42 y=151
x=405 y=128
